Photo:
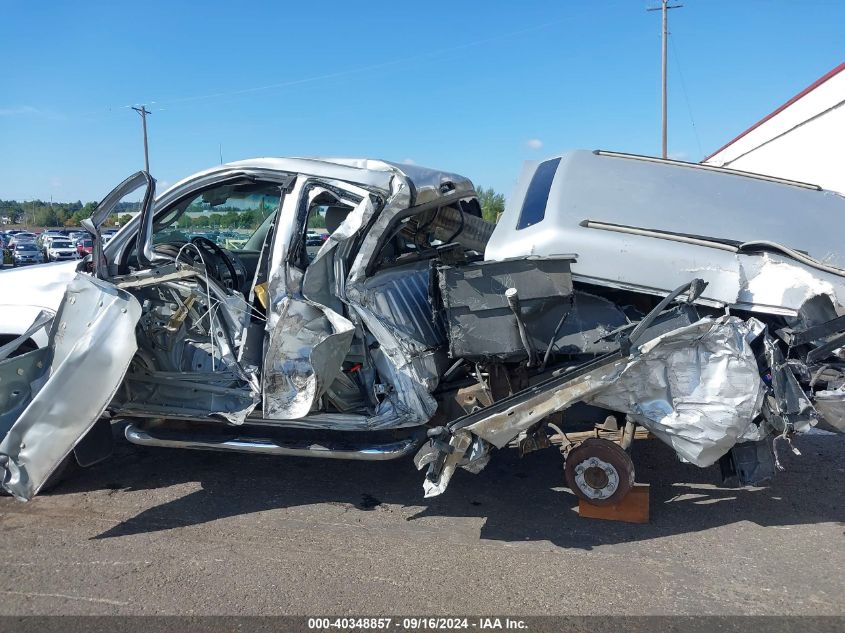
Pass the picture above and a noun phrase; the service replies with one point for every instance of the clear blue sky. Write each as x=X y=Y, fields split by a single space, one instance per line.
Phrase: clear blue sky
x=471 y=87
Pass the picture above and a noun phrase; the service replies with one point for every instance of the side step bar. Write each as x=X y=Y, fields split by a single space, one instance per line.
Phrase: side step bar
x=267 y=446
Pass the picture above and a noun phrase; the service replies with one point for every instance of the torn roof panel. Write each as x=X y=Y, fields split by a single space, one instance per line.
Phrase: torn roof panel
x=428 y=184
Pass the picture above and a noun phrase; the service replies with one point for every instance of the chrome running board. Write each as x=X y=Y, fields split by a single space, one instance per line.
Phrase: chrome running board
x=268 y=446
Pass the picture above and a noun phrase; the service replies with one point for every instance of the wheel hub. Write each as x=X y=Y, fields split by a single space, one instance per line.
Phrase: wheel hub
x=596 y=478
x=599 y=471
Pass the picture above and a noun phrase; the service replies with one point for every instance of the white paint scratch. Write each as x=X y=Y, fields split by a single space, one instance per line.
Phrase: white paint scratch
x=33 y=594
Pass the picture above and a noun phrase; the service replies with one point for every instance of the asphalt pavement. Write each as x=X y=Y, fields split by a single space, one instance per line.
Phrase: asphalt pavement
x=164 y=531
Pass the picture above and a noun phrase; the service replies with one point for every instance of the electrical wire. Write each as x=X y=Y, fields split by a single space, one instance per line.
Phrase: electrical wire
x=431 y=55
x=207 y=290
x=368 y=68
x=686 y=96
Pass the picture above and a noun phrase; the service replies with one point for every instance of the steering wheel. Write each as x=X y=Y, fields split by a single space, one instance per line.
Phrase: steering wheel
x=211 y=256
x=217 y=254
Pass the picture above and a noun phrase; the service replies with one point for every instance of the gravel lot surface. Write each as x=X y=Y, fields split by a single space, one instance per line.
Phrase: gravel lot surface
x=163 y=531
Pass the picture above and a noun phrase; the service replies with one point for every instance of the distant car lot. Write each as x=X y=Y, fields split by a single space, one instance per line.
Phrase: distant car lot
x=38 y=246
x=81 y=244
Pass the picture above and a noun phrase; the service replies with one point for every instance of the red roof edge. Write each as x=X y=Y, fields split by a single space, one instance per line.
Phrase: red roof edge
x=818 y=82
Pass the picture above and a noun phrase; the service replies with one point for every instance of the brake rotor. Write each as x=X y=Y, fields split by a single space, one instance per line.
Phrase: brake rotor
x=599 y=471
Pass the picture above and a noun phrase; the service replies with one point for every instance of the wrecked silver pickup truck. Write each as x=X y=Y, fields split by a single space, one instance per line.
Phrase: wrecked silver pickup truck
x=617 y=293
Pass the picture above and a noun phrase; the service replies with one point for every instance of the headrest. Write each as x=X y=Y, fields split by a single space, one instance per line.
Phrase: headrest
x=335 y=217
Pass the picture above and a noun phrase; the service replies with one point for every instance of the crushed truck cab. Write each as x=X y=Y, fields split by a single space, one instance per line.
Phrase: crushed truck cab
x=697 y=303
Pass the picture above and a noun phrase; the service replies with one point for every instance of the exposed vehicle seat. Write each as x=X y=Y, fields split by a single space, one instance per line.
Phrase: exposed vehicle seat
x=335 y=216
x=400 y=298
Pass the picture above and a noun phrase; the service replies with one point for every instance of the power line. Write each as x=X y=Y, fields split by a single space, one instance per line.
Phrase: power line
x=110 y=110
x=686 y=96
x=368 y=68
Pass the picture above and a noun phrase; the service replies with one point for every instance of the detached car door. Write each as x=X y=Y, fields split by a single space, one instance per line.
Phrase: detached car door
x=50 y=397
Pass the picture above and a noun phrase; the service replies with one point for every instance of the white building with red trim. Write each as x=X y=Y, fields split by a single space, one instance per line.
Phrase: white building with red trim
x=804 y=139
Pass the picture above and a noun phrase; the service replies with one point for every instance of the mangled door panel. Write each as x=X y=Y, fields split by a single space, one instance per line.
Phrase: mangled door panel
x=390 y=289
x=92 y=341
x=308 y=335
x=331 y=284
x=305 y=352
x=20 y=377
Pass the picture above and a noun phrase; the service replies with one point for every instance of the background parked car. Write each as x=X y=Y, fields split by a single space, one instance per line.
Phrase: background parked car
x=84 y=246
x=24 y=253
x=46 y=237
x=59 y=249
x=43 y=242
x=22 y=237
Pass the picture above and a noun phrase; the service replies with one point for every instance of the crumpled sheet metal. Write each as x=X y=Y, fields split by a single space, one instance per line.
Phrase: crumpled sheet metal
x=325 y=279
x=308 y=338
x=298 y=380
x=776 y=281
x=304 y=354
x=503 y=426
x=696 y=388
x=459 y=444
x=831 y=409
x=412 y=381
x=790 y=409
x=93 y=342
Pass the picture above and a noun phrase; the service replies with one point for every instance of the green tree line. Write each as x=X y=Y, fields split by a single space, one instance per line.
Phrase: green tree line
x=41 y=213
x=492 y=203
x=224 y=217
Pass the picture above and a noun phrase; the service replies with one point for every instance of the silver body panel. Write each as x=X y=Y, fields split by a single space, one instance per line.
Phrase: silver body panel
x=91 y=344
x=667 y=200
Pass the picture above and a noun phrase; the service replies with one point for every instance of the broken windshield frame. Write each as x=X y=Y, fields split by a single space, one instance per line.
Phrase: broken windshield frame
x=107 y=206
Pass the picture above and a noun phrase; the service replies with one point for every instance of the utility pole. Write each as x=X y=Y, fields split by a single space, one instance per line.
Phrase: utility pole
x=664 y=9
x=144 y=112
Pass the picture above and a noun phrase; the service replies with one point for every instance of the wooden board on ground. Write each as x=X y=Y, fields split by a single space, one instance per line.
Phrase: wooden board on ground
x=633 y=508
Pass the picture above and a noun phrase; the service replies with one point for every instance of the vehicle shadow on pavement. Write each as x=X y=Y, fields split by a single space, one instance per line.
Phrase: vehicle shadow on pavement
x=519 y=499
